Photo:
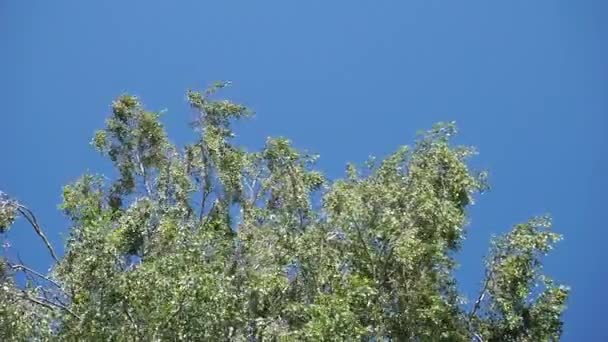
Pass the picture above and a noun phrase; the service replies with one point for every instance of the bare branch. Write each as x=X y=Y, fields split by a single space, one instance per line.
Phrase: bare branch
x=481 y=297
x=255 y=192
x=144 y=174
x=484 y=288
x=206 y=192
x=205 y=187
x=31 y=218
x=215 y=204
x=363 y=243
x=24 y=268
x=48 y=304
x=130 y=317
x=478 y=337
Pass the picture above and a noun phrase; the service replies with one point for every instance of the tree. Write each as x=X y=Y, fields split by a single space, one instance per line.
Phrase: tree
x=215 y=243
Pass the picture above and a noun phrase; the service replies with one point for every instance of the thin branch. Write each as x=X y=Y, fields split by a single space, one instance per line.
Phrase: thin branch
x=45 y=292
x=294 y=189
x=31 y=218
x=39 y=302
x=252 y=192
x=205 y=186
x=249 y=186
x=255 y=193
x=30 y=273
x=30 y=277
x=481 y=297
x=387 y=260
x=48 y=304
x=215 y=204
x=178 y=310
x=484 y=288
x=478 y=337
x=144 y=174
x=365 y=247
x=24 y=268
x=206 y=191
x=130 y=317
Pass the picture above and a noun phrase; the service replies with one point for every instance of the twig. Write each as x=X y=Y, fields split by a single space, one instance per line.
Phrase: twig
x=48 y=304
x=255 y=193
x=214 y=206
x=205 y=187
x=144 y=174
x=206 y=192
x=478 y=337
x=481 y=297
x=365 y=247
x=485 y=286
x=130 y=317
x=28 y=276
x=36 y=273
x=31 y=218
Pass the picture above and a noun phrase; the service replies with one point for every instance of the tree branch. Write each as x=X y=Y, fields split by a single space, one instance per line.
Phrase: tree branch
x=130 y=317
x=205 y=186
x=24 y=268
x=478 y=337
x=144 y=174
x=48 y=304
x=485 y=286
x=206 y=192
x=481 y=297
x=365 y=247
x=31 y=218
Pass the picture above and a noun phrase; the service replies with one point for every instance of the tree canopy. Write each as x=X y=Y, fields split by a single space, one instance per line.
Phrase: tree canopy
x=210 y=242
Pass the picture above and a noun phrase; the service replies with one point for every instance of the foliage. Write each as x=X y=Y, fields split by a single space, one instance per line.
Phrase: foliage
x=211 y=242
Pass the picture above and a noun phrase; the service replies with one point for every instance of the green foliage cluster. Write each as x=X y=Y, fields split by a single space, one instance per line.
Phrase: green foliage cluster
x=212 y=243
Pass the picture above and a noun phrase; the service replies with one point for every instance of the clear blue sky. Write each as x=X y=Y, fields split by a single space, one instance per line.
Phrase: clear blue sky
x=526 y=81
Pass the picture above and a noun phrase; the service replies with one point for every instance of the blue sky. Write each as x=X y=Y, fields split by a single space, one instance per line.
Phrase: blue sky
x=526 y=81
